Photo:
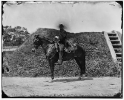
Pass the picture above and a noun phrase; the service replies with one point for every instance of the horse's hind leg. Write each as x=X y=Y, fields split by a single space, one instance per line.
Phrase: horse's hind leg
x=81 y=64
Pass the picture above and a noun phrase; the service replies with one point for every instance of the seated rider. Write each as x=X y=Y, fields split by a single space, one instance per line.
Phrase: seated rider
x=61 y=42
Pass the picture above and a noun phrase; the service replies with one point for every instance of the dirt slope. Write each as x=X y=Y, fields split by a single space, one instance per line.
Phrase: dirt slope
x=23 y=62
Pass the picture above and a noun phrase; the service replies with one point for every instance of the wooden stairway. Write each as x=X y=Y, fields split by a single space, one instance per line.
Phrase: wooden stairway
x=116 y=45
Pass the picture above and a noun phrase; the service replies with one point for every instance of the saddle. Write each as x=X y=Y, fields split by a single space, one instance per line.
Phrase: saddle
x=69 y=47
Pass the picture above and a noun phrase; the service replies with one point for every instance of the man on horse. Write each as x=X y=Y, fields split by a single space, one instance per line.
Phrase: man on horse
x=60 y=42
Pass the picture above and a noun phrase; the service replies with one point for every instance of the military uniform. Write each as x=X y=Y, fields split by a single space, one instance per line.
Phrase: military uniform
x=62 y=39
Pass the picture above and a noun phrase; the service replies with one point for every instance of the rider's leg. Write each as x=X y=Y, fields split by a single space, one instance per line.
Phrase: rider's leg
x=61 y=47
x=56 y=46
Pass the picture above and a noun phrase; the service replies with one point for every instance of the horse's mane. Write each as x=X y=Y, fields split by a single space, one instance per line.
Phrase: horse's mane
x=45 y=40
x=48 y=40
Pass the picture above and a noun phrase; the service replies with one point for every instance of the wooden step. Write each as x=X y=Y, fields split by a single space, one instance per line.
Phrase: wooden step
x=116 y=45
x=119 y=59
x=117 y=50
x=118 y=54
x=120 y=63
x=111 y=34
x=113 y=38
x=115 y=42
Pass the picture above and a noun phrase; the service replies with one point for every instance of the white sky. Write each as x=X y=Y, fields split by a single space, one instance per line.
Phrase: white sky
x=78 y=17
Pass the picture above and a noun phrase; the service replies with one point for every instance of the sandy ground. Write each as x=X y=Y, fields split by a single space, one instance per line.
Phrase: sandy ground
x=61 y=87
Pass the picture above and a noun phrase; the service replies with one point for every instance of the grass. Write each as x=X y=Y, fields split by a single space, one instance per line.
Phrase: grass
x=23 y=62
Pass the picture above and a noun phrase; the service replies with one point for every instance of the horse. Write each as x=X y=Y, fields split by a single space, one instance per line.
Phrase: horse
x=52 y=55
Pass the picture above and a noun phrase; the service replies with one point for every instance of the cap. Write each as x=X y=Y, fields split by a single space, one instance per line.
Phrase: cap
x=61 y=26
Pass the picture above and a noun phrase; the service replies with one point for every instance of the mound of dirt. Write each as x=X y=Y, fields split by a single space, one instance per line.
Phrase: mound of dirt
x=24 y=62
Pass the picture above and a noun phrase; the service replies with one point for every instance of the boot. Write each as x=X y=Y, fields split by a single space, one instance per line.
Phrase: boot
x=59 y=62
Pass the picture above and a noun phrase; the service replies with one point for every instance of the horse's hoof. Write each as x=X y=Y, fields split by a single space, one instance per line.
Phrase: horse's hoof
x=79 y=78
x=83 y=75
x=51 y=81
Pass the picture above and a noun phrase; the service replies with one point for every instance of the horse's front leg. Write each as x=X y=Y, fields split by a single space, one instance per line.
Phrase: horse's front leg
x=51 y=63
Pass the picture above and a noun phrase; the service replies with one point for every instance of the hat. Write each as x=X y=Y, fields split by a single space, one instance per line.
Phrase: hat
x=61 y=26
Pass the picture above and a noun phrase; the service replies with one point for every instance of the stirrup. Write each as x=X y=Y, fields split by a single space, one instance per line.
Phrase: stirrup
x=59 y=63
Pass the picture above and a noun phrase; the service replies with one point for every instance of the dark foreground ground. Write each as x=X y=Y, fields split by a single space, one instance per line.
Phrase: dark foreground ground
x=61 y=87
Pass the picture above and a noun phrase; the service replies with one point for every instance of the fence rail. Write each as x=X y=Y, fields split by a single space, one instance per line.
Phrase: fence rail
x=9 y=48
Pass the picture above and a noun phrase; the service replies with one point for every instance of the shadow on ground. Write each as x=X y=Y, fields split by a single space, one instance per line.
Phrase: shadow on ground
x=72 y=80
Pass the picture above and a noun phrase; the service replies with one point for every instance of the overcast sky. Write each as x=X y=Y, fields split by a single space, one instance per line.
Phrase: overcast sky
x=78 y=17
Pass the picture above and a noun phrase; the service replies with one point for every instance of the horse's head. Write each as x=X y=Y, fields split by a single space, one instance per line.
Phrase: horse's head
x=37 y=41
x=47 y=45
